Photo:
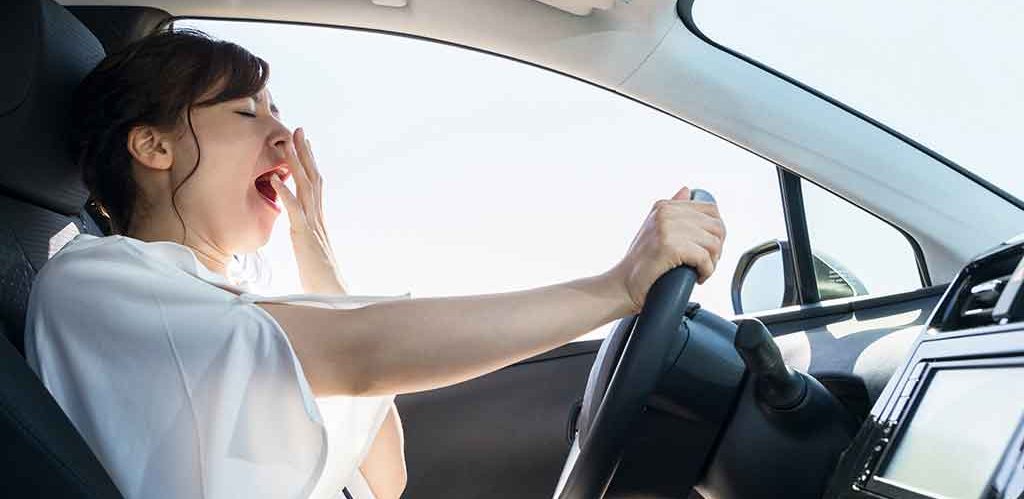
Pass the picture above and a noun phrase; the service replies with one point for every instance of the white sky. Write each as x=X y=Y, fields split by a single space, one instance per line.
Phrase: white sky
x=451 y=172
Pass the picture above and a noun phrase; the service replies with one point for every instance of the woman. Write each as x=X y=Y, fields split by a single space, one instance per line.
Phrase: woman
x=183 y=381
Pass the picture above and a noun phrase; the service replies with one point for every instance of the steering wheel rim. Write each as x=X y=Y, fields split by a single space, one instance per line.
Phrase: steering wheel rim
x=632 y=359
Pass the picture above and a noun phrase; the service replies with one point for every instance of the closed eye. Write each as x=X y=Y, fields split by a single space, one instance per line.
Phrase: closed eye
x=246 y=113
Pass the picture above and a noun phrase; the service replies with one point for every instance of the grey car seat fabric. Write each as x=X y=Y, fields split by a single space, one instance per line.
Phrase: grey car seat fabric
x=117 y=26
x=46 y=52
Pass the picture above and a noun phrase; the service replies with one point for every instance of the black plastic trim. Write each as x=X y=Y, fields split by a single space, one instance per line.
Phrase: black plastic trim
x=684 y=9
x=845 y=305
x=922 y=264
x=799 y=239
x=570 y=349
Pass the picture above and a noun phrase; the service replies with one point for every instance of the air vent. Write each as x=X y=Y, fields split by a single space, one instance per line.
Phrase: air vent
x=979 y=288
x=981 y=299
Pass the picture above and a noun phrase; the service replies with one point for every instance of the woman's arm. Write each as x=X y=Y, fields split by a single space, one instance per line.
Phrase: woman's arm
x=413 y=345
x=421 y=344
x=384 y=466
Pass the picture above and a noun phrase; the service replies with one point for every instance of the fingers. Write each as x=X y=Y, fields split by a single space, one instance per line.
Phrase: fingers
x=694 y=230
x=682 y=195
x=710 y=242
x=700 y=259
x=303 y=184
x=699 y=250
x=305 y=151
x=713 y=225
x=296 y=215
x=710 y=209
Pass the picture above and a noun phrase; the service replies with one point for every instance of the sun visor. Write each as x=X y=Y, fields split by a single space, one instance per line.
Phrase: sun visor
x=580 y=7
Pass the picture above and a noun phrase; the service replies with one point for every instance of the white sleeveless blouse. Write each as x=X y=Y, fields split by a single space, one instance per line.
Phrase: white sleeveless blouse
x=182 y=386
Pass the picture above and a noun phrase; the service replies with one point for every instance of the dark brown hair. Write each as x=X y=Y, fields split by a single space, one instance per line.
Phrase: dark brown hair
x=154 y=81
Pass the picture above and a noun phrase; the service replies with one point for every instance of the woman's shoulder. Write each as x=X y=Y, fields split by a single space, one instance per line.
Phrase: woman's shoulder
x=84 y=247
x=115 y=269
x=122 y=286
x=89 y=259
x=84 y=256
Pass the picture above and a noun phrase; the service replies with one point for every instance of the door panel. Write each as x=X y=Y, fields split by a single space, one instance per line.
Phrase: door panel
x=505 y=434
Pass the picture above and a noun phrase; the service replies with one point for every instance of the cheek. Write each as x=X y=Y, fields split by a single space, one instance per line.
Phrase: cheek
x=226 y=174
x=222 y=191
x=216 y=195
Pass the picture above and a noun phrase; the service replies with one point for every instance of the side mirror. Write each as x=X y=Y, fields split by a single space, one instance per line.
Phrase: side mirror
x=764 y=279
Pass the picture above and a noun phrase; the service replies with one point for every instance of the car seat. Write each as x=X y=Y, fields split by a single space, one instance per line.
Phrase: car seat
x=47 y=51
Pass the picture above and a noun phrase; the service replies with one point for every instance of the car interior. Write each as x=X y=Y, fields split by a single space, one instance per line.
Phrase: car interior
x=856 y=397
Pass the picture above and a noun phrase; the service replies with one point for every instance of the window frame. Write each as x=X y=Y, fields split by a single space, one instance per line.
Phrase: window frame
x=800 y=241
x=789 y=183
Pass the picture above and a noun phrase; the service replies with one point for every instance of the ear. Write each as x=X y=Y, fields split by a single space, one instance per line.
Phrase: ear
x=150 y=147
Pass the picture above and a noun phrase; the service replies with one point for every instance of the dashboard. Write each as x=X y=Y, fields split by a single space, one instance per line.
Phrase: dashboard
x=950 y=422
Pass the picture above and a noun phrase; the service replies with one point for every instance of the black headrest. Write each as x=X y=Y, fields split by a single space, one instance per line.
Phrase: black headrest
x=46 y=53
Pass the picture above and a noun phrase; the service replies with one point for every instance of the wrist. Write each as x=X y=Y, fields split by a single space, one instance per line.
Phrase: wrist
x=318 y=273
x=324 y=283
x=613 y=284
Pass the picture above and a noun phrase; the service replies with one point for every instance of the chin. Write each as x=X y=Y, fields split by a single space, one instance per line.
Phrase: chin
x=261 y=226
x=256 y=239
x=255 y=235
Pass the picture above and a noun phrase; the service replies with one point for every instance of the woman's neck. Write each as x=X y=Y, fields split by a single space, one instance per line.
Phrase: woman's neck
x=213 y=258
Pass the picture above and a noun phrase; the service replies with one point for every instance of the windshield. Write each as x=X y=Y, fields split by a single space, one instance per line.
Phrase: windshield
x=946 y=74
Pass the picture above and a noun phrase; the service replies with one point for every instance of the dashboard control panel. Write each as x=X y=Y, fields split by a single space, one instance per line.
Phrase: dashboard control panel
x=950 y=422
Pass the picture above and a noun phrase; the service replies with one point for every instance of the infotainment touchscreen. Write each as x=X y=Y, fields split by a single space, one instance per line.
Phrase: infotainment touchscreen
x=958 y=432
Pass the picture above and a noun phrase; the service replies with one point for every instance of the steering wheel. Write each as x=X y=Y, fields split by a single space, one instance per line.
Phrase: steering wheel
x=627 y=369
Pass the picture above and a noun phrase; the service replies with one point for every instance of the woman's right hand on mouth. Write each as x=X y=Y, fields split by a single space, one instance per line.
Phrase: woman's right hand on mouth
x=676 y=232
x=314 y=255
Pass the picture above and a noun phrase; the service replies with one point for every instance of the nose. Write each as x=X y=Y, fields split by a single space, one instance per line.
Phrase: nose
x=281 y=138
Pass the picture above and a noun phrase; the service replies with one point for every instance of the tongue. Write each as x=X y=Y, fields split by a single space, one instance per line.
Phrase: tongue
x=265 y=189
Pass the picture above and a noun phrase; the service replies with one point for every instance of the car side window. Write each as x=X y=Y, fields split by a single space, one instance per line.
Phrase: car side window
x=453 y=172
x=863 y=253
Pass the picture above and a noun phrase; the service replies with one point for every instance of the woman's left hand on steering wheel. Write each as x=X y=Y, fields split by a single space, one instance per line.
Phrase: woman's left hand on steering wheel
x=313 y=253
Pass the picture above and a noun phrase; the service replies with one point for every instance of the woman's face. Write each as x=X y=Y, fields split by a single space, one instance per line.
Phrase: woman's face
x=228 y=201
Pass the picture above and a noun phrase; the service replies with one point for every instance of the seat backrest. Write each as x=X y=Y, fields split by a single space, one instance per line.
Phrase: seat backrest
x=47 y=51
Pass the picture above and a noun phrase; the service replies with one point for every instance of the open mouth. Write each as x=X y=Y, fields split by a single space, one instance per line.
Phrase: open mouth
x=265 y=188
